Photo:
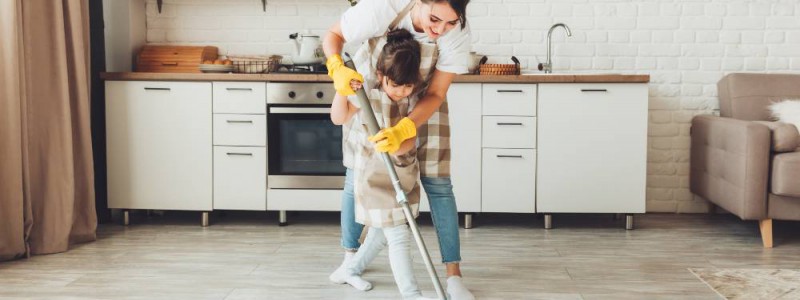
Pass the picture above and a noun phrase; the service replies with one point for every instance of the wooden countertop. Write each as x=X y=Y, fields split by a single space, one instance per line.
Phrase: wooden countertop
x=537 y=78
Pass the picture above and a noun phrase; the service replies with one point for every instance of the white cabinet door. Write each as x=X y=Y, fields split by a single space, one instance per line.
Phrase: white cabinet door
x=464 y=103
x=240 y=178
x=592 y=148
x=509 y=180
x=158 y=138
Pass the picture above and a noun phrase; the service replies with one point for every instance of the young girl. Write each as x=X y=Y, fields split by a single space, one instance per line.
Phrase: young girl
x=397 y=75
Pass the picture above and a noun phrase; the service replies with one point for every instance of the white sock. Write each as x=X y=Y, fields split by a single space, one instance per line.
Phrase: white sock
x=340 y=274
x=457 y=290
x=358 y=283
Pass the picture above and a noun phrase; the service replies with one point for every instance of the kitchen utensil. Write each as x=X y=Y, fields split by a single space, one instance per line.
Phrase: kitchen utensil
x=307 y=49
x=474 y=62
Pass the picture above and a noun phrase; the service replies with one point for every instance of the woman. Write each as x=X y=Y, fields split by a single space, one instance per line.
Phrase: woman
x=440 y=27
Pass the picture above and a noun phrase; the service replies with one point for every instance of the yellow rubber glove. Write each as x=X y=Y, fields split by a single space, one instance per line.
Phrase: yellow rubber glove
x=341 y=75
x=389 y=139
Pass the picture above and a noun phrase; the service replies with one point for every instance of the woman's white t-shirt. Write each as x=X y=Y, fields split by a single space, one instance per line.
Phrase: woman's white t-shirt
x=371 y=18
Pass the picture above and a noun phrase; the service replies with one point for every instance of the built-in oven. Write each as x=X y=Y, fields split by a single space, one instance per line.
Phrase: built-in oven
x=304 y=148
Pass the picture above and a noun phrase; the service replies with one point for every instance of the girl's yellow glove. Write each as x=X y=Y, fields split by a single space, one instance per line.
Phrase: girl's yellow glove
x=341 y=75
x=389 y=139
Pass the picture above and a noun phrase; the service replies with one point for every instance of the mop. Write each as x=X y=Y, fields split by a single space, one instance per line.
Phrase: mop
x=368 y=116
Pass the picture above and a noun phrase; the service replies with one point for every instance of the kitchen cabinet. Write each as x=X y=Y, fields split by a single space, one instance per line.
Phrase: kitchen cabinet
x=516 y=148
x=592 y=149
x=240 y=178
x=240 y=140
x=158 y=139
x=509 y=177
x=508 y=148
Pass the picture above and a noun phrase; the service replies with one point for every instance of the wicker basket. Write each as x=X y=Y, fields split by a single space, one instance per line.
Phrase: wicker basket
x=500 y=69
x=253 y=64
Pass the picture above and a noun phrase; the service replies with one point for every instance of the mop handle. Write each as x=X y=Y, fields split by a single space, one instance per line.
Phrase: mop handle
x=368 y=116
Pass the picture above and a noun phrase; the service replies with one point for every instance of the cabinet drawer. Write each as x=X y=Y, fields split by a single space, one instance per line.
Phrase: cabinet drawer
x=240 y=130
x=509 y=132
x=509 y=99
x=240 y=97
x=598 y=92
x=240 y=178
x=509 y=180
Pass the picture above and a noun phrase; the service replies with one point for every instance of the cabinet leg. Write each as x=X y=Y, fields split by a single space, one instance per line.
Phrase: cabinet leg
x=548 y=221
x=126 y=217
x=467 y=221
x=282 y=218
x=629 y=222
x=204 y=219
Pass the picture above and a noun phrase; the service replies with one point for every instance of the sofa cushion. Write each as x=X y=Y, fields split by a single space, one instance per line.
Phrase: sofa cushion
x=745 y=96
x=786 y=174
x=785 y=137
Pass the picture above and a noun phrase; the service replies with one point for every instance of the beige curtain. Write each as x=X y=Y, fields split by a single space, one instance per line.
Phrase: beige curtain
x=46 y=175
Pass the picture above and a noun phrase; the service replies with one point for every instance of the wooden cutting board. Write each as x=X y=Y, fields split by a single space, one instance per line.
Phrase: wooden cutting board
x=174 y=59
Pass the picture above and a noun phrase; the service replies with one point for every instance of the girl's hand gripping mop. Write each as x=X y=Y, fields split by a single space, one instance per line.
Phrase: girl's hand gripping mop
x=368 y=116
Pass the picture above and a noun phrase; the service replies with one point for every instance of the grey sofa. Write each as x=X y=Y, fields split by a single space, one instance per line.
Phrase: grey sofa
x=744 y=162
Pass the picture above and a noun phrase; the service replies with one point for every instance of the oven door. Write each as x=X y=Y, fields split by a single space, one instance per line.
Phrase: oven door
x=304 y=148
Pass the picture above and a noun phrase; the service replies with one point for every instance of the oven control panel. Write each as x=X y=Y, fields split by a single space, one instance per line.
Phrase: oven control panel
x=300 y=93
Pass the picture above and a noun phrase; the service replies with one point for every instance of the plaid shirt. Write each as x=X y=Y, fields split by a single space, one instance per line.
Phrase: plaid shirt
x=433 y=137
x=376 y=202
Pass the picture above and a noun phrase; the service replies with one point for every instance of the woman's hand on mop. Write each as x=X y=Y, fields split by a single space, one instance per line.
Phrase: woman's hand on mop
x=389 y=139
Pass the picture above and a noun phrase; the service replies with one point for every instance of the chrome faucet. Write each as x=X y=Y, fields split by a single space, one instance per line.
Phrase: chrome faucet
x=547 y=67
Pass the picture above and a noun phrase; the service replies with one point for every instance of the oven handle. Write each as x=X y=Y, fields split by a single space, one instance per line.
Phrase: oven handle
x=299 y=110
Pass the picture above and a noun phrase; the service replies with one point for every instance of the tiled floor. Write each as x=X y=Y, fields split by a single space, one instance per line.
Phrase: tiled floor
x=247 y=256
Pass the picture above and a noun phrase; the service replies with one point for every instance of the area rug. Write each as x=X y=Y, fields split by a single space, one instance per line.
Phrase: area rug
x=741 y=284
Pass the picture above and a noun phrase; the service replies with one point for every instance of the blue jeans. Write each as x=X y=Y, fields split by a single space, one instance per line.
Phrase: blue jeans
x=443 y=213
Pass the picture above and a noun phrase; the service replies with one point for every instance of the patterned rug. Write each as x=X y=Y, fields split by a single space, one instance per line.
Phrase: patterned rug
x=741 y=284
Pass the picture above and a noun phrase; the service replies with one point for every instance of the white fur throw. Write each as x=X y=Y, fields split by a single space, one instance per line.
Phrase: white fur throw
x=787 y=111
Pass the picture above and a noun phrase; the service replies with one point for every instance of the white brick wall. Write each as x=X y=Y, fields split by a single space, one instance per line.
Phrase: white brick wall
x=686 y=47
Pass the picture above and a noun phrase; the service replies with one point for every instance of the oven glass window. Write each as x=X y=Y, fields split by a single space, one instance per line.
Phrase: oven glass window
x=304 y=144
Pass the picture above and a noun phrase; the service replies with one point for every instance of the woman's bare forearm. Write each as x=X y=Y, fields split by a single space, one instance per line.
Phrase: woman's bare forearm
x=334 y=40
x=433 y=98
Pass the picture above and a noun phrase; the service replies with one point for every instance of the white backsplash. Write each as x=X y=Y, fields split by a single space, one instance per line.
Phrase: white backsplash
x=686 y=47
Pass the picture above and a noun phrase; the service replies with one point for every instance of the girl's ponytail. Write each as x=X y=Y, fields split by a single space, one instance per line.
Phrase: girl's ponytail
x=400 y=58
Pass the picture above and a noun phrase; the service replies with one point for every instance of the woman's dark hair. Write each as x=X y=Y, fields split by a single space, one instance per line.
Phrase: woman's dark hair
x=400 y=58
x=459 y=6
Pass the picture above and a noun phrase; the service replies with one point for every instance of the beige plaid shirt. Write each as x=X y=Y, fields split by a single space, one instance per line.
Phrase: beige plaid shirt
x=433 y=137
x=376 y=202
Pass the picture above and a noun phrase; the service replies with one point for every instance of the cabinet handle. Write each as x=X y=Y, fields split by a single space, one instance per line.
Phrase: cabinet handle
x=240 y=121
x=239 y=154
x=509 y=156
x=156 y=89
x=509 y=91
x=594 y=90
x=169 y=63
x=509 y=124
x=240 y=89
